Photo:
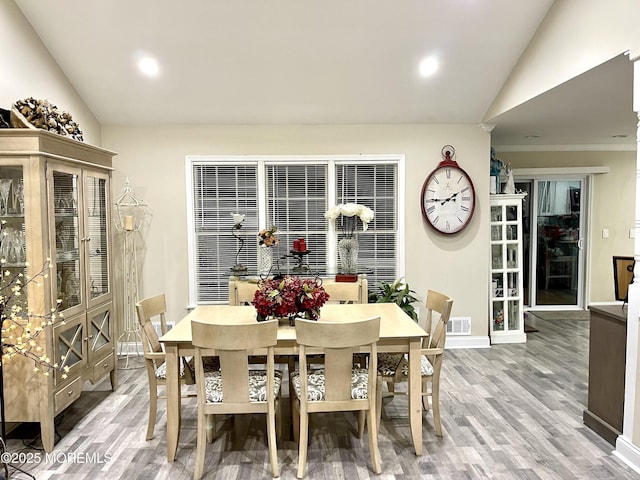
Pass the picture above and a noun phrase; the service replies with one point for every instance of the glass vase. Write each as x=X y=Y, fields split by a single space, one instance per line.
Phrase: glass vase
x=266 y=260
x=348 y=254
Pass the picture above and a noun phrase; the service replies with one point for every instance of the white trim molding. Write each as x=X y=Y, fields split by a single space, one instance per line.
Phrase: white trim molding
x=627 y=452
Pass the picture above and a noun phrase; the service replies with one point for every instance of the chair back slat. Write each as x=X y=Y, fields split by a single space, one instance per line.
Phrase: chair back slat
x=337 y=366
x=234 y=366
x=337 y=335
x=149 y=309
x=347 y=292
x=234 y=336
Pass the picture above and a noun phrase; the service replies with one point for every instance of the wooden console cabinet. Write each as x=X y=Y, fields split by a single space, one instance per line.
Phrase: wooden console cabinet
x=65 y=217
x=607 y=361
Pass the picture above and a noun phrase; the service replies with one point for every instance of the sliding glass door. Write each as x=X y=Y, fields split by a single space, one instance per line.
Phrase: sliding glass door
x=554 y=253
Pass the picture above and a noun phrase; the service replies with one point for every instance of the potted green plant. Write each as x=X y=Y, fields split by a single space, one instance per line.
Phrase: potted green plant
x=398 y=292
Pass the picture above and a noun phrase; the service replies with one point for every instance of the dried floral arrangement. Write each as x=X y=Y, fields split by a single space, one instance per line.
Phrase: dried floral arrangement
x=267 y=237
x=46 y=116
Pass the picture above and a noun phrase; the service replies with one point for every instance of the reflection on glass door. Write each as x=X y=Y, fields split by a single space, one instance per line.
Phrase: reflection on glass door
x=559 y=242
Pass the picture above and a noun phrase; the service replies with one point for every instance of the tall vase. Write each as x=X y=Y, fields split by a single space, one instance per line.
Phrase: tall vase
x=348 y=254
x=266 y=260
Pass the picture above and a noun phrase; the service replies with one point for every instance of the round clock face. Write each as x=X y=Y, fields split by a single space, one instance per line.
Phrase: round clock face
x=448 y=199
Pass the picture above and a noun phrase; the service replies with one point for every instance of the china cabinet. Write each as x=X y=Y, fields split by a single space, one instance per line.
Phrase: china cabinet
x=506 y=295
x=57 y=209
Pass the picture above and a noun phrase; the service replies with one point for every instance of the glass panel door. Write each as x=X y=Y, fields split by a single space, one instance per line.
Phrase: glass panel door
x=96 y=206
x=559 y=242
x=67 y=239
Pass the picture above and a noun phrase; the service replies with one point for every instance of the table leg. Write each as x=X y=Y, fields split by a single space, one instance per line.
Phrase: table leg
x=173 y=401
x=415 y=394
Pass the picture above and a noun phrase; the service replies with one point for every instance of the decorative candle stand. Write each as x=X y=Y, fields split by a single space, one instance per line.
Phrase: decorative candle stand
x=130 y=215
x=301 y=266
x=237 y=225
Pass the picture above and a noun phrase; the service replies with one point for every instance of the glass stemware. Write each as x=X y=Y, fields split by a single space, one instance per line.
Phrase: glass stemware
x=18 y=196
x=5 y=185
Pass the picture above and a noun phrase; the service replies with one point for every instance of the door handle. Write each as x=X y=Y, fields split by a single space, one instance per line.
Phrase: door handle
x=581 y=243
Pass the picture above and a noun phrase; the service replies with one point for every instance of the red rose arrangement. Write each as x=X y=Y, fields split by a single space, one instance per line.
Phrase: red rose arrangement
x=290 y=296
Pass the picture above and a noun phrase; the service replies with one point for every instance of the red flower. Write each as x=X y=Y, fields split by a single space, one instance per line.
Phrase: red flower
x=289 y=296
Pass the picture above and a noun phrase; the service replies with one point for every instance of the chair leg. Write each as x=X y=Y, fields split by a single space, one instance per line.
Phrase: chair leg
x=425 y=394
x=278 y=419
x=302 y=441
x=435 y=400
x=379 y=401
x=201 y=445
x=153 y=408
x=273 y=447
x=373 y=441
x=211 y=427
x=361 y=421
x=295 y=420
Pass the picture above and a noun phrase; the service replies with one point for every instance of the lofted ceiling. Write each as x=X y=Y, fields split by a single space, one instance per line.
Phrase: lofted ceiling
x=331 y=62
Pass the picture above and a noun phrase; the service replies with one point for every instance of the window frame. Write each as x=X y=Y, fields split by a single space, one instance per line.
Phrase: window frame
x=261 y=161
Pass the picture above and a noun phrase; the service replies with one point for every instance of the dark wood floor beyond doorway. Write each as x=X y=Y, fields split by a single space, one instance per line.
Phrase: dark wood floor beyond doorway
x=508 y=412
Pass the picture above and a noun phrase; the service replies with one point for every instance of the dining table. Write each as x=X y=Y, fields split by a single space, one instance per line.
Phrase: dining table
x=399 y=333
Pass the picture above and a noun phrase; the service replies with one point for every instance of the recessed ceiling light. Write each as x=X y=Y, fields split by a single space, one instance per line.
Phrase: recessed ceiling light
x=149 y=66
x=428 y=66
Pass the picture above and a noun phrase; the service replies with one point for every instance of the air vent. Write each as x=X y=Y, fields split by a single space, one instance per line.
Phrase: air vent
x=459 y=326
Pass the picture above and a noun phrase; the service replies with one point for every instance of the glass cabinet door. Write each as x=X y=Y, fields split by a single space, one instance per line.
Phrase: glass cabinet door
x=97 y=234
x=67 y=239
x=70 y=347
x=12 y=246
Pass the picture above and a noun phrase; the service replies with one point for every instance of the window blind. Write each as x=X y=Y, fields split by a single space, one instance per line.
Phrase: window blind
x=291 y=193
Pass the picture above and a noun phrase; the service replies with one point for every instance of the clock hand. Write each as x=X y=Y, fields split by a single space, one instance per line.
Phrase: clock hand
x=452 y=197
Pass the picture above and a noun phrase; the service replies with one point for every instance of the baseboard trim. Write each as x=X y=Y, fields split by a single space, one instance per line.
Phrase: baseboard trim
x=628 y=453
x=461 y=341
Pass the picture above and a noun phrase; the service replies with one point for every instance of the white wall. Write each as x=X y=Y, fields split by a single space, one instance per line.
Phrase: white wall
x=27 y=70
x=575 y=36
x=153 y=159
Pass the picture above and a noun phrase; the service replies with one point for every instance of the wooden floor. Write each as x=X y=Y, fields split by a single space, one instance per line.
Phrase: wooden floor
x=509 y=412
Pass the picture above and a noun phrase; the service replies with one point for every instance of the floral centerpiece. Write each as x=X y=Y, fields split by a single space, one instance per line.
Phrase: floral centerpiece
x=290 y=297
x=348 y=248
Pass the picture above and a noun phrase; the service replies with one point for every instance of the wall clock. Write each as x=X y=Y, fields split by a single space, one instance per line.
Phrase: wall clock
x=448 y=198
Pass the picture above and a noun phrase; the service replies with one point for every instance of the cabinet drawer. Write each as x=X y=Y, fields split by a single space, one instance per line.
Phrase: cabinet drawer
x=103 y=366
x=67 y=395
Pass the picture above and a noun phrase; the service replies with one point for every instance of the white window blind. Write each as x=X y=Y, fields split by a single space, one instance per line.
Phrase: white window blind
x=291 y=193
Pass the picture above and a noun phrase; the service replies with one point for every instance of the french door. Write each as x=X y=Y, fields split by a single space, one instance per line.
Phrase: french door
x=554 y=241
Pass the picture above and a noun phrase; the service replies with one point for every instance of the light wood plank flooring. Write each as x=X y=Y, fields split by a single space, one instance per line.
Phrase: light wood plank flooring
x=509 y=412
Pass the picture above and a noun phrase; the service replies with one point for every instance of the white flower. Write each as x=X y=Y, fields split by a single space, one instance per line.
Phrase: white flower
x=237 y=218
x=350 y=210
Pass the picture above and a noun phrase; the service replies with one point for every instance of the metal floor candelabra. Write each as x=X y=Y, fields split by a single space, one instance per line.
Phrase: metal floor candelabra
x=131 y=214
x=131 y=333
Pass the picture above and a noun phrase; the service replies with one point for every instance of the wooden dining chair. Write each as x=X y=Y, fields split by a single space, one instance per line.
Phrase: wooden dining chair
x=236 y=388
x=241 y=292
x=151 y=308
x=347 y=292
x=393 y=367
x=338 y=386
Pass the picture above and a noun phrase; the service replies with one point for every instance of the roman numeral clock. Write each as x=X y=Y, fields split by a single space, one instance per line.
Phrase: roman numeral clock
x=448 y=198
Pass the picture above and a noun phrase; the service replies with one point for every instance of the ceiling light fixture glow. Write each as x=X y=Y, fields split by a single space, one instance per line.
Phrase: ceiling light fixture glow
x=149 y=66
x=428 y=66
